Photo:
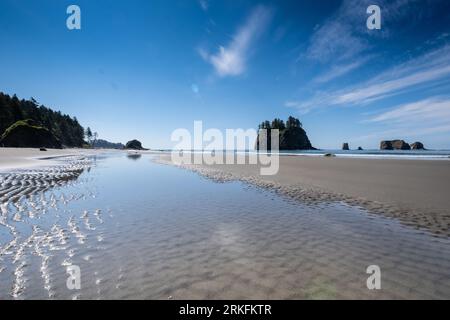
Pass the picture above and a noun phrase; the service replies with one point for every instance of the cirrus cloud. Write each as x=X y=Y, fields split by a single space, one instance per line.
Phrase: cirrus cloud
x=231 y=59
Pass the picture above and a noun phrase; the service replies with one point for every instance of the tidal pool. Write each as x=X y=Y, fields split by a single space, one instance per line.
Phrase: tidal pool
x=141 y=230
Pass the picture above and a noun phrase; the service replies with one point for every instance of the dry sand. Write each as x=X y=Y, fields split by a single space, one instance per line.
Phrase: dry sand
x=414 y=191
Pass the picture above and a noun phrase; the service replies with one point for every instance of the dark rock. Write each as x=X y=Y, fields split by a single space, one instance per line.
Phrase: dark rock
x=360 y=149
x=386 y=145
x=329 y=155
x=29 y=134
x=295 y=139
x=290 y=139
x=134 y=144
x=400 y=145
x=417 y=146
x=345 y=146
x=394 y=145
x=42 y=149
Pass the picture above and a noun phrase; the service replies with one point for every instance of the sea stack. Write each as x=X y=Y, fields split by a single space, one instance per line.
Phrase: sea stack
x=134 y=145
x=345 y=146
x=292 y=135
x=394 y=145
x=417 y=146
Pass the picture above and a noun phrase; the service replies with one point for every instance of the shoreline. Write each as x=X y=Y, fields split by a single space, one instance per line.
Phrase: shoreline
x=413 y=191
x=83 y=210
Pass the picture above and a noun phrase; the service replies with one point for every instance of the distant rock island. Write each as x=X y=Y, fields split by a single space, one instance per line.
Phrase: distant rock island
x=400 y=145
x=417 y=146
x=134 y=145
x=292 y=134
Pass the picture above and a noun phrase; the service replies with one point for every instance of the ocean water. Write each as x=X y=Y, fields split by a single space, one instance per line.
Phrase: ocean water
x=141 y=230
x=369 y=153
x=395 y=154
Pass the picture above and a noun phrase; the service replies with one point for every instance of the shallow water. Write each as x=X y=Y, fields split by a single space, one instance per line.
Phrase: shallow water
x=137 y=229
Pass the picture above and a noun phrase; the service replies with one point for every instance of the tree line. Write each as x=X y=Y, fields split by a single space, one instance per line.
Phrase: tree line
x=280 y=125
x=67 y=129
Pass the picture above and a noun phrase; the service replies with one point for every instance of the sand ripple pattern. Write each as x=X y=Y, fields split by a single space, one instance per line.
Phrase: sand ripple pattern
x=35 y=224
x=157 y=232
x=438 y=224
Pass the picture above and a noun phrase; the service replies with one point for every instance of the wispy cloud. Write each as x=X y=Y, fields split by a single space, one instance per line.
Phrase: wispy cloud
x=344 y=41
x=204 y=4
x=415 y=120
x=338 y=38
x=339 y=70
x=231 y=60
x=408 y=121
x=335 y=39
x=434 y=111
x=344 y=34
x=380 y=90
x=429 y=68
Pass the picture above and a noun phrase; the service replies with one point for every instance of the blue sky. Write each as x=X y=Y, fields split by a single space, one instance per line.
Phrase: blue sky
x=141 y=69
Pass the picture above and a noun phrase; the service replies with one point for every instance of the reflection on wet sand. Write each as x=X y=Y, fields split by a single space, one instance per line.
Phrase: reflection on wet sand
x=25 y=198
x=134 y=156
x=142 y=230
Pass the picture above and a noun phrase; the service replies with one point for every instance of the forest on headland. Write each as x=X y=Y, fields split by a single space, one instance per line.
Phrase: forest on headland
x=15 y=112
x=29 y=124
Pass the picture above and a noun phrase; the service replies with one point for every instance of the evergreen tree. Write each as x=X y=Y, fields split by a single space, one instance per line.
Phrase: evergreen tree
x=68 y=131
x=278 y=124
x=89 y=135
x=293 y=123
x=15 y=109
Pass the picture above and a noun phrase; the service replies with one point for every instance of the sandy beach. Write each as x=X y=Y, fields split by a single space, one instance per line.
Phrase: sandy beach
x=414 y=191
x=140 y=229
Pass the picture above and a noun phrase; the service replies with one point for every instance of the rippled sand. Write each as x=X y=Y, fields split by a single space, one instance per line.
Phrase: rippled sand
x=27 y=198
x=142 y=230
x=412 y=191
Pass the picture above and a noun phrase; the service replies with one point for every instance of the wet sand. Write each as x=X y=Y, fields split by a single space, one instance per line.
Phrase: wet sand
x=17 y=158
x=413 y=191
x=27 y=158
x=140 y=230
